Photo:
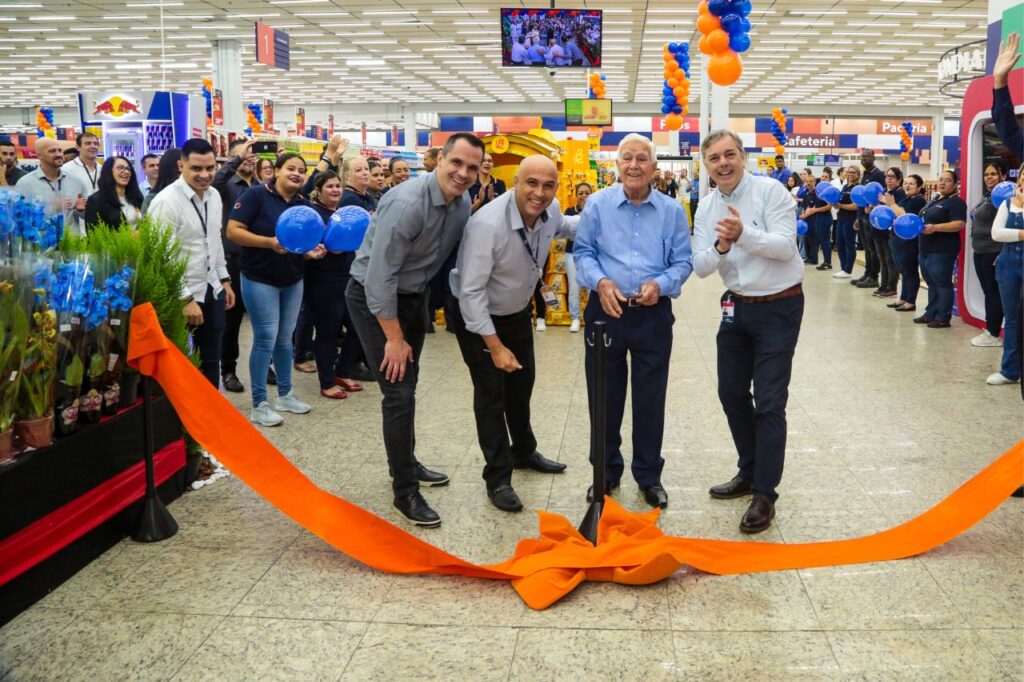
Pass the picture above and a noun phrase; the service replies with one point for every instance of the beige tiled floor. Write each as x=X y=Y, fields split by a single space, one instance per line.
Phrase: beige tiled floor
x=885 y=417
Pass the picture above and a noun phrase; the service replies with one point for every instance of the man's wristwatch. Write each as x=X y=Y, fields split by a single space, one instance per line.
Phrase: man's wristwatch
x=720 y=253
x=330 y=166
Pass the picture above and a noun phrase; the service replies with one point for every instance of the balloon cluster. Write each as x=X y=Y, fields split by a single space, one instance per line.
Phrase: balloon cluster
x=779 y=129
x=44 y=121
x=866 y=195
x=254 y=116
x=597 y=89
x=827 y=192
x=300 y=229
x=726 y=32
x=675 y=91
x=906 y=139
x=208 y=96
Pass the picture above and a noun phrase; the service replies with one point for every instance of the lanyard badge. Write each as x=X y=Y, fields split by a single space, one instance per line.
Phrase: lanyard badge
x=728 y=310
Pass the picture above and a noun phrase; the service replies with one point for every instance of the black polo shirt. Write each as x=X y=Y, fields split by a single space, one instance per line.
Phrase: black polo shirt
x=351 y=197
x=333 y=266
x=876 y=174
x=846 y=215
x=810 y=201
x=943 y=210
x=898 y=196
x=258 y=208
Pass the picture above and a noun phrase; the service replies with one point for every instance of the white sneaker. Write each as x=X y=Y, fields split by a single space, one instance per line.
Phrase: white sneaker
x=842 y=275
x=541 y=325
x=998 y=379
x=575 y=326
x=986 y=340
x=264 y=416
x=290 y=403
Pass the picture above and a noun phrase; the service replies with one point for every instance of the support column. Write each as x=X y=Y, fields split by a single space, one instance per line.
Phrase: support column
x=227 y=77
x=719 y=106
x=938 y=122
x=705 y=116
x=410 y=129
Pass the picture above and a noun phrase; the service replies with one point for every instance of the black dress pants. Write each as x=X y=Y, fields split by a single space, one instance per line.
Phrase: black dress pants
x=232 y=318
x=755 y=349
x=501 y=400
x=398 y=406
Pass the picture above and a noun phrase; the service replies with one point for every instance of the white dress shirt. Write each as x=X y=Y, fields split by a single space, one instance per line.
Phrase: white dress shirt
x=765 y=259
x=58 y=196
x=88 y=178
x=185 y=212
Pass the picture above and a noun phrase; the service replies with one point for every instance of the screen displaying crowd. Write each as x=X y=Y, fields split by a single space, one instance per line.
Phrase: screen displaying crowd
x=551 y=38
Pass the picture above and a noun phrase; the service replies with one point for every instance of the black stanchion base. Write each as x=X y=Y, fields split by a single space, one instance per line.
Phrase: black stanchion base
x=155 y=521
x=588 y=528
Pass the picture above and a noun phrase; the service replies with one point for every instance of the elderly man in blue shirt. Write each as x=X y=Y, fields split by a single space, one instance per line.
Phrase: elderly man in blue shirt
x=632 y=251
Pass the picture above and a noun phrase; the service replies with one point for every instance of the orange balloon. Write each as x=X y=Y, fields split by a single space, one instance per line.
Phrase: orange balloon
x=702 y=45
x=680 y=74
x=706 y=23
x=681 y=93
x=666 y=74
x=673 y=121
x=718 y=41
x=686 y=110
x=702 y=8
x=672 y=82
x=725 y=68
x=779 y=149
x=905 y=156
x=672 y=64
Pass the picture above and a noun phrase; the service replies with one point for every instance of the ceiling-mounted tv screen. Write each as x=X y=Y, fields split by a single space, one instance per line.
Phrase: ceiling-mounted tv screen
x=551 y=38
x=588 y=112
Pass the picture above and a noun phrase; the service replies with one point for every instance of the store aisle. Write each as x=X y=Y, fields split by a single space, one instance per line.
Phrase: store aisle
x=885 y=418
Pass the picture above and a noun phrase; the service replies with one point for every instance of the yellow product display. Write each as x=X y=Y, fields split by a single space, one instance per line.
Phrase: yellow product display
x=558 y=283
x=556 y=262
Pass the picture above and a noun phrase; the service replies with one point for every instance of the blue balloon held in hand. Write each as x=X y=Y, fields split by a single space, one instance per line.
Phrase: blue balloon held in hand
x=1002 y=193
x=859 y=196
x=908 y=226
x=801 y=192
x=873 y=192
x=346 y=229
x=801 y=227
x=299 y=229
x=882 y=217
x=826 y=192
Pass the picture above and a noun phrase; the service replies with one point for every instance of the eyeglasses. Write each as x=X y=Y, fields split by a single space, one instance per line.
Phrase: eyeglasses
x=122 y=169
x=889 y=175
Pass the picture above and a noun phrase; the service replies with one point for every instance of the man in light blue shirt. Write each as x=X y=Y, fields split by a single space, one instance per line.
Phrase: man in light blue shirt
x=632 y=250
x=781 y=173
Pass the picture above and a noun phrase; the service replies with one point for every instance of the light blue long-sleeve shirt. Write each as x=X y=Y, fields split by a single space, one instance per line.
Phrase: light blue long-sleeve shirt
x=631 y=244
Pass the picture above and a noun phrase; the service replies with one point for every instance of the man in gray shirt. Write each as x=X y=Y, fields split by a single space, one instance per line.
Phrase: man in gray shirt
x=415 y=228
x=57 y=189
x=500 y=260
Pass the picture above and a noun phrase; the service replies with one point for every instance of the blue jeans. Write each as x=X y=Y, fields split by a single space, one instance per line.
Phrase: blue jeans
x=846 y=244
x=574 y=287
x=904 y=252
x=938 y=273
x=1009 y=276
x=273 y=312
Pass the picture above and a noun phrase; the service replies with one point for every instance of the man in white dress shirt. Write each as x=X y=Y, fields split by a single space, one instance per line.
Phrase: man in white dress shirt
x=86 y=167
x=745 y=230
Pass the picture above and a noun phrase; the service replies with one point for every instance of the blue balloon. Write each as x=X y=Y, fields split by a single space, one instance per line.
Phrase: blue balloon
x=908 y=226
x=882 y=217
x=827 y=193
x=346 y=229
x=677 y=109
x=739 y=42
x=665 y=109
x=745 y=28
x=859 y=196
x=673 y=47
x=873 y=192
x=742 y=7
x=719 y=7
x=731 y=23
x=1002 y=193
x=801 y=227
x=801 y=192
x=670 y=101
x=299 y=229
x=784 y=111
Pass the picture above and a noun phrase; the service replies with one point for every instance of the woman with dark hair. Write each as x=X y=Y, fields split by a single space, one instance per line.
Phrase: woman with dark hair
x=271 y=283
x=905 y=251
x=378 y=179
x=815 y=211
x=793 y=184
x=846 y=221
x=167 y=173
x=985 y=251
x=943 y=217
x=117 y=200
x=890 y=275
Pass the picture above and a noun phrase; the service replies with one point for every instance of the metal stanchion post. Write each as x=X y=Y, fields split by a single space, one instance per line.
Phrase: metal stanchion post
x=599 y=343
x=155 y=522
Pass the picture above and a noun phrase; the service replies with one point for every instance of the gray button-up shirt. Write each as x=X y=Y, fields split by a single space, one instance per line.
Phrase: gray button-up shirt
x=496 y=273
x=411 y=235
x=59 y=196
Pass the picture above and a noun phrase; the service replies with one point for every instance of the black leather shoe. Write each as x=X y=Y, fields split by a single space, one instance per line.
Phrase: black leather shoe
x=231 y=383
x=759 y=515
x=271 y=377
x=361 y=373
x=416 y=510
x=655 y=495
x=737 y=487
x=609 y=488
x=923 y=319
x=430 y=478
x=539 y=462
x=939 y=324
x=868 y=284
x=504 y=498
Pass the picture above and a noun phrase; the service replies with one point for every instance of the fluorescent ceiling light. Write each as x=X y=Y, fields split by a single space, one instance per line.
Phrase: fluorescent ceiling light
x=324 y=14
x=384 y=13
x=51 y=17
x=816 y=12
x=154 y=4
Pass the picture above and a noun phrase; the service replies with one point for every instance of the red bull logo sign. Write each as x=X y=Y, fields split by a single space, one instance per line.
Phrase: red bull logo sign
x=116 y=107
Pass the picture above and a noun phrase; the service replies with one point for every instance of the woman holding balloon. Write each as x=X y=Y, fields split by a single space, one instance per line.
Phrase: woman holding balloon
x=274 y=246
x=846 y=233
x=904 y=240
x=1008 y=228
x=813 y=211
x=881 y=223
x=985 y=252
x=944 y=217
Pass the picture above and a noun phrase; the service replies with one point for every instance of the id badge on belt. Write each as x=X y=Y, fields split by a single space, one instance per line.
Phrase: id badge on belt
x=550 y=299
x=728 y=310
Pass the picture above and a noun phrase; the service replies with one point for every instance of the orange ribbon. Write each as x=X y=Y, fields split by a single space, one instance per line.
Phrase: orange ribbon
x=631 y=550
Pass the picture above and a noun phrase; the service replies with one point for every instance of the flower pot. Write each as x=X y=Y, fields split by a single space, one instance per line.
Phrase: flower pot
x=7 y=445
x=66 y=419
x=111 y=397
x=129 y=389
x=34 y=433
x=90 y=405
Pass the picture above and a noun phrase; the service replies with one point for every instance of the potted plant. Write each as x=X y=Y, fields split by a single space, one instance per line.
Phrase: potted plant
x=73 y=284
x=33 y=426
x=117 y=292
x=13 y=332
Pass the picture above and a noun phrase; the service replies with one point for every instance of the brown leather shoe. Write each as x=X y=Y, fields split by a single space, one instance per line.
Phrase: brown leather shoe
x=759 y=515
x=737 y=487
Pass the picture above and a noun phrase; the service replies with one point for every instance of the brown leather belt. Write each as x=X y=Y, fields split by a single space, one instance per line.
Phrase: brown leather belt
x=794 y=290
